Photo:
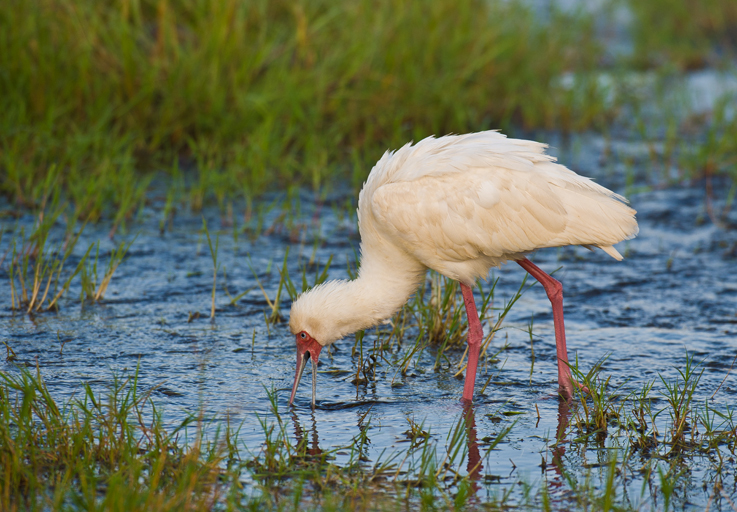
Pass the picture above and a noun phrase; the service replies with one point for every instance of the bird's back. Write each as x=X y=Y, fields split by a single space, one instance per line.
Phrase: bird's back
x=462 y=203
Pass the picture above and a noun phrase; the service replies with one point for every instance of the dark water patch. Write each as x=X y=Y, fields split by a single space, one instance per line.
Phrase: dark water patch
x=341 y=406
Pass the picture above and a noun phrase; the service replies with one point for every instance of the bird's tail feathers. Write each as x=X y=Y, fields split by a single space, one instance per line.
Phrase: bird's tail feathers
x=611 y=251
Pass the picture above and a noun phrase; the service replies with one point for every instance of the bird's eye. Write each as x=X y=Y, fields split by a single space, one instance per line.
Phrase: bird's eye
x=303 y=335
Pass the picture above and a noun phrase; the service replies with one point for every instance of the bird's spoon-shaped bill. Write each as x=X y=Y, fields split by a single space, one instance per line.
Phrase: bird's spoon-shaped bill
x=307 y=348
x=301 y=363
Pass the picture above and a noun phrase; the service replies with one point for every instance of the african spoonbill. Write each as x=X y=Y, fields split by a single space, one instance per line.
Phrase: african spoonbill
x=459 y=204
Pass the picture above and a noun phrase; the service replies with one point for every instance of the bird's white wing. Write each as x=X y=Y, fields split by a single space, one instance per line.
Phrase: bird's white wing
x=455 y=225
x=460 y=204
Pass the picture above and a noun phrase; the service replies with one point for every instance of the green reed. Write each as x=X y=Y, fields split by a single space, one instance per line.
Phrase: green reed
x=215 y=266
x=93 y=285
x=36 y=268
x=108 y=451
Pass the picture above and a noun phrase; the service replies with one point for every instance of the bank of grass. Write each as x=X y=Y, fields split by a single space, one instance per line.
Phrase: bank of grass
x=226 y=99
x=683 y=34
x=269 y=93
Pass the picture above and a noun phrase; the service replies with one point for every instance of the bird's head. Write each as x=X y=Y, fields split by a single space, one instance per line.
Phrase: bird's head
x=309 y=321
x=307 y=348
x=321 y=316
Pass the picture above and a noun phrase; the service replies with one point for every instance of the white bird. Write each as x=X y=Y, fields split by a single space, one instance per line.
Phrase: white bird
x=459 y=205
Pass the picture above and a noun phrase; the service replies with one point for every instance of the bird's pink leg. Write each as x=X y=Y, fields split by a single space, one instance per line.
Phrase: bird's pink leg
x=555 y=293
x=475 y=335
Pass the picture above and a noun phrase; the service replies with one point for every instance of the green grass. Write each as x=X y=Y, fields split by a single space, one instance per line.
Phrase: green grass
x=265 y=93
x=100 y=452
x=228 y=99
x=435 y=318
x=112 y=452
x=38 y=264
x=224 y=100
x=94 y=286
x=667 y=427
x=683 y=34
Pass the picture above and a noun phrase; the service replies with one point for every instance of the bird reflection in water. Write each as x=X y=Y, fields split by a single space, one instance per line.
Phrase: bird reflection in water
x=555 y=469
x=301 y=434
x=474 y=465
x=309 y=440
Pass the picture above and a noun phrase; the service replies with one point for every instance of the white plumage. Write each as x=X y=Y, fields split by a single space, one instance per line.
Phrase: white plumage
x=458 y=204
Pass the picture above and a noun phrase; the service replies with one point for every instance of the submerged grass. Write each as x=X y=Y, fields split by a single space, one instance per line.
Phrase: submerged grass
x=112 y=451
x=94 y=287
x=99 y=452
x=38 y=268
x=215 y=266
x=667 y=427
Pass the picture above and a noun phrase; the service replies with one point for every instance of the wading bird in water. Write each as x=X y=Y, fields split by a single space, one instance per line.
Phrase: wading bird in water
x=459 y=205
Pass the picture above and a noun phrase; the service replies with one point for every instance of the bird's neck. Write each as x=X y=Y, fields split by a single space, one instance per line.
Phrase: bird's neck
x=385 y=281
x=335 y=309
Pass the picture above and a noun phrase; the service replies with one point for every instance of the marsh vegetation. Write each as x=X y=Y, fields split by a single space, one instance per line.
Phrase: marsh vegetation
x=174 y=174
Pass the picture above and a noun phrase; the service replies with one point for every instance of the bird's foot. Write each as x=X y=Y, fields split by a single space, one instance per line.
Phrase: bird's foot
x=583 y=388
x=566 y=389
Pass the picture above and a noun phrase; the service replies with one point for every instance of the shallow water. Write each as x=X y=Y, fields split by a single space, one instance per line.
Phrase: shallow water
x=673 y=294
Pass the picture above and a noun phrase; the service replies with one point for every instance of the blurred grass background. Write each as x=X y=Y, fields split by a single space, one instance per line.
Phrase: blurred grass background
x=233 y=98
x=683 y=33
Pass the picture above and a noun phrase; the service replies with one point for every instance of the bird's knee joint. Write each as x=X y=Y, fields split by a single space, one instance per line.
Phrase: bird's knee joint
x=479 y=334
x=554 y=290
x=475 y=335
